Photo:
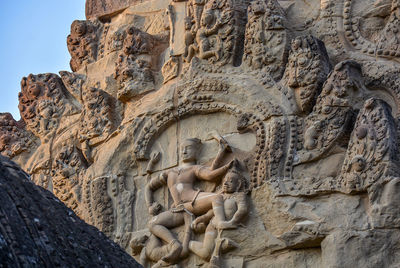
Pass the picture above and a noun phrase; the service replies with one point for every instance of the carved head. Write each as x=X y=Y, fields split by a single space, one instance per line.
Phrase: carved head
x=35 y=88
x=358 y=163
x=43 y=105
x=311 y=136
x=243 y=122
x=342 y=83
x=307 y=69
x=188 y=23
x=190 y=149
x=233 y=182
x=78 y=27
x=138 y=243
x=127 y=73
x=257 y=7
x=207 y=18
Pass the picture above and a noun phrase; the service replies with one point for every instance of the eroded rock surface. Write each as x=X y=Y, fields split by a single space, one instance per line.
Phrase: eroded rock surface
x=189 y=131
x=97 y=8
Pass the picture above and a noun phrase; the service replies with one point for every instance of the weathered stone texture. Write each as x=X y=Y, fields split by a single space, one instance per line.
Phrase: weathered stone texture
x=37 y=230
x=189 y=131
x=97 y=8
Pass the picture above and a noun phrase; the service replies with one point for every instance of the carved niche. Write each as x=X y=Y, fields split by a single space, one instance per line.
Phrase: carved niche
x=331 y=120
x=135 y=66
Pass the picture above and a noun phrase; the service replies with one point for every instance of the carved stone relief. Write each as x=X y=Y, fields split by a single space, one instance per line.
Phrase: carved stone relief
x=14 y=139
x=267 y=37
x=134 y=76
x=82 y=43
x=189 y=131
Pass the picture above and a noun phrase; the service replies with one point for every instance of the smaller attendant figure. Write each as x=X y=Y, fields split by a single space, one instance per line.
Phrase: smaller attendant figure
x=209 y=27
x=229 y=210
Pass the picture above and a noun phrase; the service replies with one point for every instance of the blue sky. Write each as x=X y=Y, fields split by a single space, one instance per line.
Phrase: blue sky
x=33 y=40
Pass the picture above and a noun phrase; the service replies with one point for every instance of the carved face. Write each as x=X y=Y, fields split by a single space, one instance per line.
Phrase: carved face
x=358 y=163
x=188 y=23
x=126 y=73
x=189 y=151
x=311 y=138
x=34 y=90
x=257 y=7
x=296 y=44
x=79 y=28
x=231 y=183
x=137 y=243
x=207 y=19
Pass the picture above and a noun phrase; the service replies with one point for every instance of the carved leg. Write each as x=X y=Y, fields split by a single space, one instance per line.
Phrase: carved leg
x=188 y=231
x=208 y=54
x=202 y=204
x=143 y=258
x=218 y=208
x=204 y=249
x=174 y=252
x=192 y=50
x=215 y=258
x=155 y=250
x=160 y=225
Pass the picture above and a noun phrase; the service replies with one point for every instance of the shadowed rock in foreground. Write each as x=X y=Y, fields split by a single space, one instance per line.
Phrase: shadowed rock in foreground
x=37 y=230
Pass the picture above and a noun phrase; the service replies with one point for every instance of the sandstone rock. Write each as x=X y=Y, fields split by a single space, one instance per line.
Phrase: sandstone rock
x=225 y=133
x=97 y=8
x=371 y=248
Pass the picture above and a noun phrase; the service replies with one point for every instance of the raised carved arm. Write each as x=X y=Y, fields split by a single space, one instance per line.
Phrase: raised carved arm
x=223 y=149
x=152 y=186
x=213 y=30
x=221 y=21
x=207 y=174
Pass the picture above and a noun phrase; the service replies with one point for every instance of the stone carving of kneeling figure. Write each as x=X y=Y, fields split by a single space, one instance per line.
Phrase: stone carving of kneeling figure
x=229 y=210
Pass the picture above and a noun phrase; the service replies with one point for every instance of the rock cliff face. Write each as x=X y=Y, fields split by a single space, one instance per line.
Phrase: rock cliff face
x=37 y=230
x=225 y=133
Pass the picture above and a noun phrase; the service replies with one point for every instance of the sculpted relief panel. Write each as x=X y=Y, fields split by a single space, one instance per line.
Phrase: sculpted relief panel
x=225 y=133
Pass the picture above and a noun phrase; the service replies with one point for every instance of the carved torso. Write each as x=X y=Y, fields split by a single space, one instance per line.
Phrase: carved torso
x=180 y=183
